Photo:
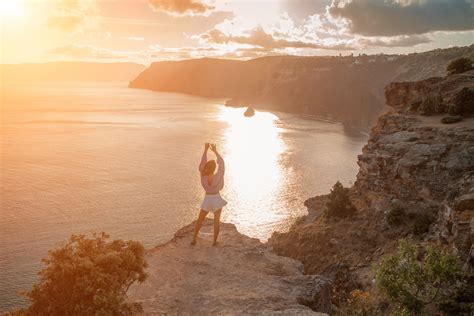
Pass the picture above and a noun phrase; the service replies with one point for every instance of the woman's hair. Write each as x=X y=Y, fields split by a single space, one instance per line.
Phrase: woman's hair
x=209 y=168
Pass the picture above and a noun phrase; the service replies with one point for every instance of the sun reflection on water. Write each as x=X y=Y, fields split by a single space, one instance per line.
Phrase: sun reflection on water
x=253 y=151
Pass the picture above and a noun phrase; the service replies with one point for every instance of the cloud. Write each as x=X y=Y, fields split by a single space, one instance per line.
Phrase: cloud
x=317 y=32
x=70 y=15
x=65 y=22
x=89 y=52
x=403 y=17
x=258 y=37
x=181 y=7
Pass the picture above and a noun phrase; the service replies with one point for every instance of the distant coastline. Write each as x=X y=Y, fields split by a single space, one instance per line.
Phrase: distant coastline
x=347 y=89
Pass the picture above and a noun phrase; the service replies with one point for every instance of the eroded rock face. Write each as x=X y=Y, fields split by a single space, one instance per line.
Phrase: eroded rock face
x=410 y=160
x=239 y=276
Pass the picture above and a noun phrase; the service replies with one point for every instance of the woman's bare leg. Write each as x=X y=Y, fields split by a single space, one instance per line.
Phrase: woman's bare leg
x=217 y=222
x=197 y=228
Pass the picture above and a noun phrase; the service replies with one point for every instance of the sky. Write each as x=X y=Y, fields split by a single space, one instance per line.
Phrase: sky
x=145 y=31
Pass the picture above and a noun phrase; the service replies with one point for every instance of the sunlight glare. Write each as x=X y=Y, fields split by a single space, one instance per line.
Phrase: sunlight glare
x=10 y=8
x=253 y=149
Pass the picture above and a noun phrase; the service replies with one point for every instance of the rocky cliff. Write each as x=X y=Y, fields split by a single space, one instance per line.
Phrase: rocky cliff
x=416 y=181
x=239 y=276
x=412 y=167
x=347 y=89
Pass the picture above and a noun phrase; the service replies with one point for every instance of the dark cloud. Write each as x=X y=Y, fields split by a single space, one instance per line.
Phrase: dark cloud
x=301 y=9
x=395 y=41
x=404 y=17
x=258 y=37
x=181 y=7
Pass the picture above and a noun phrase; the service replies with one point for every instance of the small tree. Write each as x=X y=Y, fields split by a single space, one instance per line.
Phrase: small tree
x=411 y=280
x=88 y=277
x=460 y=65
x=339 y=204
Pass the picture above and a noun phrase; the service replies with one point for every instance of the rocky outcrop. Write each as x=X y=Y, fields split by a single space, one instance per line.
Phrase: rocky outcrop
x=412 y=162
x=346 y=89
x=239 y=276
x=438 y=92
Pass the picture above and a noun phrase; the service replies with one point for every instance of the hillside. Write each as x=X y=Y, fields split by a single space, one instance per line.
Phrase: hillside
x=347 y=89
x=69 y=71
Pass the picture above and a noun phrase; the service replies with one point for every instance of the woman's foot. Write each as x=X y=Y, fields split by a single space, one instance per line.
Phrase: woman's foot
x=193 y=242
x=214 y=243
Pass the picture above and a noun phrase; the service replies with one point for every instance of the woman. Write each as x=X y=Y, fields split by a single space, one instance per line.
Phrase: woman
x=212 y=184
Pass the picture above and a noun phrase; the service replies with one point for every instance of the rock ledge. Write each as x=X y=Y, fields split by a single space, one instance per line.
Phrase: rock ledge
x=239 y=276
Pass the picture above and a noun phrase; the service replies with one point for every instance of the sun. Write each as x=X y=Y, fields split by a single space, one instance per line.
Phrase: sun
x=10 y=8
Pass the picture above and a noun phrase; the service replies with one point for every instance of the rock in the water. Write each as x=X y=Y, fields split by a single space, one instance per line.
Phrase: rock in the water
x=239 y=276
x=249 y=112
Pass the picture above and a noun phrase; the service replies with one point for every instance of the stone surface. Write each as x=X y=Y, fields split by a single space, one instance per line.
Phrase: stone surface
x=238 y=276
x=464 y=202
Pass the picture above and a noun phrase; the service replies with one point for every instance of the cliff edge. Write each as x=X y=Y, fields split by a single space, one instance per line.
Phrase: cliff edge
x=239 y=276
x=416 y=181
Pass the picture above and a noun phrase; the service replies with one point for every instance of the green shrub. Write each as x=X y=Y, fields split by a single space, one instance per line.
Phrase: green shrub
x=459 y=65
x=396 y=216
x=339 y=204
x=422 y=223
x=88 y=277
x=464 y=101
x=451 y=119
x=411 y=279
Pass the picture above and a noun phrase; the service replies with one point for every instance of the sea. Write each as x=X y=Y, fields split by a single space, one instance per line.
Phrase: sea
x=77 y=158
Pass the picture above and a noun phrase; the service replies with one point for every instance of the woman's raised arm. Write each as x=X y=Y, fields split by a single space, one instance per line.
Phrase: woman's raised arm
x=204 y=157
x=220 y=161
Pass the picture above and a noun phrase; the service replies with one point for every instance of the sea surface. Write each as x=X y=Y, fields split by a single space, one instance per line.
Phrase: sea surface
x=84 y=157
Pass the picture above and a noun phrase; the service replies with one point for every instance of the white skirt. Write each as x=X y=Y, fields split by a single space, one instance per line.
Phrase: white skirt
x=213 y=203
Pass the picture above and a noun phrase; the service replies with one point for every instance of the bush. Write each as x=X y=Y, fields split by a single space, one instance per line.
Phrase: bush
x=464 y=101
x=88 y=277
x=339 y=204
x=396 y=216
x=451 y=119
x=459 y=66
x=422 y=223
x=411 y=279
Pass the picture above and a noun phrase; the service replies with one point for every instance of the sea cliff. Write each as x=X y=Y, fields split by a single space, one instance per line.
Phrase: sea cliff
x=347 y=89
x=412 y=166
